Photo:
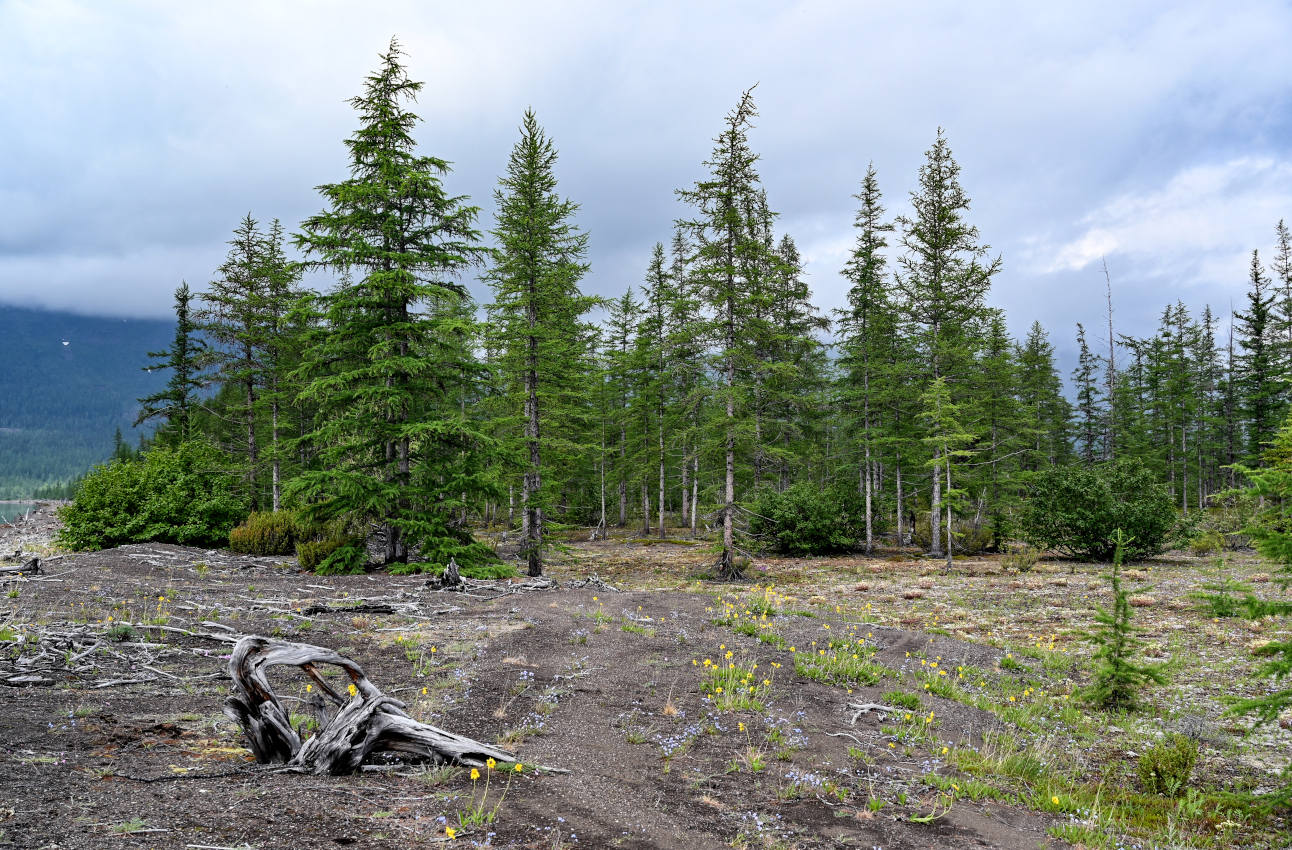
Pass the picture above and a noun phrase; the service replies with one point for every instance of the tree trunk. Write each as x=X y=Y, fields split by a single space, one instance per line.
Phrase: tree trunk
x=935 y=509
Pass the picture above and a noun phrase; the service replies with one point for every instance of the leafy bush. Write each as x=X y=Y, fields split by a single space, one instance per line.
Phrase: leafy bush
x=1022 y=559
x=169 y=495
x=1165 y=767
x=968 y=539
x=1207 y=543
x=312 y=553
x=1076 y=510
x=804 y=520
x=273 y=533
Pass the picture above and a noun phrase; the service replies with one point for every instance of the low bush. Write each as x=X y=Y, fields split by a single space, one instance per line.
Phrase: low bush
x=167 y=495
x=313 y=553
x=271 y=533
x=1165 y=767
x=805 y=520
x=344 y=560
x=1076 y=510
x=967 y=538
x=1021 y=558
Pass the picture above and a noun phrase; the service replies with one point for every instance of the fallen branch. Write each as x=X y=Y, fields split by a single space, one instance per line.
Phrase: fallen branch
x=367 y=722
x=860 y=708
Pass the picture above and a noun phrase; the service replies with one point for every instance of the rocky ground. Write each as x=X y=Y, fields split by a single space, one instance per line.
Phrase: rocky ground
x=114 y=736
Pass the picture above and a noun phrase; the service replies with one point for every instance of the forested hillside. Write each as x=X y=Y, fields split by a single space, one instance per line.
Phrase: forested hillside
x=707 y=397
x=67 y=382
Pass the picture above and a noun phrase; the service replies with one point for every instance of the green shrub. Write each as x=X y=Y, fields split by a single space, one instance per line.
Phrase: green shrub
x=168 y=495
x=1077 y=509
x=1022 y=558
x=312 y=553
x=804 y=520
x=968 y=538
x=272 y=533
x=344 y=560
x=1165 y=767
x=1207 y=543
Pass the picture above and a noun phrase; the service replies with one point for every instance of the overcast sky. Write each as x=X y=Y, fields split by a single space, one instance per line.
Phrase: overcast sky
x=1157 y=135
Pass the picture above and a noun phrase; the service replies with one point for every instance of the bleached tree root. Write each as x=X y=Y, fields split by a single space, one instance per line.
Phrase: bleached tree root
x=367 y=722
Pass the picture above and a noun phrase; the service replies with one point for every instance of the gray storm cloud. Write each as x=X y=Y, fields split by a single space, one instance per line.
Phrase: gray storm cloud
x=138 y=134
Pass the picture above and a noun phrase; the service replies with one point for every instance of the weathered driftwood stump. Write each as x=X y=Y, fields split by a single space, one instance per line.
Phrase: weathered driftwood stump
x=365 y=723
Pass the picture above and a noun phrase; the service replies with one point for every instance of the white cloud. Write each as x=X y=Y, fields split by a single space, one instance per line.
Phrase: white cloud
x=1189 y=229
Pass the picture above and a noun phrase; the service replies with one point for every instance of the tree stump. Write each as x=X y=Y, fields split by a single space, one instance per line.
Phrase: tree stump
x=349 y=729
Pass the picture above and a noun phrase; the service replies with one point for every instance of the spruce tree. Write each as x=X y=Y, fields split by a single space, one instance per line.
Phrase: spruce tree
x=392 y=443
x=184 y=360
x=537 y=311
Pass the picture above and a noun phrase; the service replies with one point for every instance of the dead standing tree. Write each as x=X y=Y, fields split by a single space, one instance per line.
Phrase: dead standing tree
x=365 y=723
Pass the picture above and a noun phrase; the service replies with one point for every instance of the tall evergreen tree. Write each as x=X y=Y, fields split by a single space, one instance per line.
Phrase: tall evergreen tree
x=232 y=317
x=944 y=276
x=1089 y=422
x=537 y=310
x=865 y=327
x=393 y=444
x=1259 y=378
x=723 y=249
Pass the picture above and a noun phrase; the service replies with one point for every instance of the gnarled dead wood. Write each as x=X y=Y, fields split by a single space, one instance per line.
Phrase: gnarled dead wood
x=365 y=723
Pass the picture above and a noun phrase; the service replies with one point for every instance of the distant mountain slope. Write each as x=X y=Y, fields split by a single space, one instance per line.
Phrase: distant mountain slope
x=66 y=383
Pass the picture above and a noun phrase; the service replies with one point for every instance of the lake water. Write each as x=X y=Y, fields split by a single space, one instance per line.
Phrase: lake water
x=9 y=510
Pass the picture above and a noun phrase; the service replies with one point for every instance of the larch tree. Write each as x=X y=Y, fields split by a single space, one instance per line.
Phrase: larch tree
x=538 y=311
x=392 y=444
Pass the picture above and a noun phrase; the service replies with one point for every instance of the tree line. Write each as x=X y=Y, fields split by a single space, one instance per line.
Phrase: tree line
x=392 y=399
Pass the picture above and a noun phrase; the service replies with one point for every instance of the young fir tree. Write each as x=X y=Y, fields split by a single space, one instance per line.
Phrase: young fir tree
x=1271 y=533
x=865 y=326
x=996 y=415
x=537 y=311
x=724 y=248
x=1281 y=278
x=654 y=361
x=392 y=443
x=1119 y=678
x=1040 y=392
x=947 y=441
x=686 y=332
x=1088 y=412
x=620 y=374
x=184 y=360
x=944 y=282
x=286 y=319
